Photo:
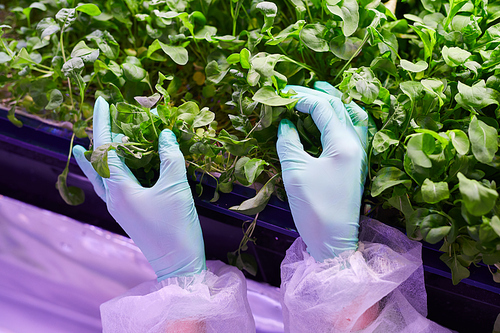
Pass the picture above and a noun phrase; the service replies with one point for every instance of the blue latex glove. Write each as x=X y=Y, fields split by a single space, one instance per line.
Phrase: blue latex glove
x=161 y=220
x=325 y=193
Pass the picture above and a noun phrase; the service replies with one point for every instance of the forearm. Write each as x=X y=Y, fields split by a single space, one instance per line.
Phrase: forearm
x=186 y=326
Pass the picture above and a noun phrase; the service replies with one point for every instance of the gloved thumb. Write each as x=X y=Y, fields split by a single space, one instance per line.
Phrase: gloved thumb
x=289 y=147
x=88 y=170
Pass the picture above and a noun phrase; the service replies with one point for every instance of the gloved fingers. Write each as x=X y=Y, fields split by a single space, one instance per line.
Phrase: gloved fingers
x=117 y=137
x=335 y=102
x=327 y=88
x=333 y=132
x=172 y=163
x=101 y=123
x=120 y=174
x=289 y=147
x=358 y=116
x=88 y=170
x=359 y=119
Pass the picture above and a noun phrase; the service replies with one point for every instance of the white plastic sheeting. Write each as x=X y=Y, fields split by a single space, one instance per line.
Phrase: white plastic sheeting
x=55 y=273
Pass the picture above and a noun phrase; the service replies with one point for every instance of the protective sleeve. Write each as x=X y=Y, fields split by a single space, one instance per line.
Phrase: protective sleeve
x=378 y=288
x=213 y=301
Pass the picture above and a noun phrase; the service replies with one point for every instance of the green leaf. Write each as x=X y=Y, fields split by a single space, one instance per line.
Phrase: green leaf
x=348 y=11
x=459 y=140
x=253 y=168
x=206 y=33
x=202 y=149
x=478 y=96
x=239 y=170
x=89 y=9
x=388 y=177
x=455 y=56
x=455 y=6
x=47 y=26
x=428 y=37
x=267 y=95
x=178 y=54
x=99 y=159
x=412 y=89
x=434 y=87
x=484 y=140
x=55 y=99
x=73 y=66
x=362 y=84
x=159 y=85
x=413 y=223
x=458 y=271
x=216 y=73
x=243 y=261
x=383 y=140
x=269 y=10
x=487 y=233
x=265 y=117
x=477 y=198
x=419 y=148
x=495 y=224
x=312 y=36
x=402 y=203
x=12 y=117
x=79 y=128
x=432 y=5
x=385 y=65
x=163 y=112
x=434 y=192
x=235 y=146
x=416 y=68
x=22 y=58
x=345 y=48
x=233 y=58
x=256 y=204
x=106 y=43
x=434 y=228
x=81 y=49
x=66 y=16
x=245 y=58
x=4 y=57
x=204 y=118
x=133 y=73
x=71 y=195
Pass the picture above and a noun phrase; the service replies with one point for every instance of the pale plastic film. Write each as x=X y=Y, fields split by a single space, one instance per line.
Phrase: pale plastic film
x=378 y=288
x=212 y=301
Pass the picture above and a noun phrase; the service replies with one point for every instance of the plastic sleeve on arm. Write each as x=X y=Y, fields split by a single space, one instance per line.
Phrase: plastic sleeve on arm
x=214 y=300
x=380 y=287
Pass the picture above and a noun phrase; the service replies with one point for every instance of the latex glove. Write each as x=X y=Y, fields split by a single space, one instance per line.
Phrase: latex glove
x=325 y=193
x=161 y=220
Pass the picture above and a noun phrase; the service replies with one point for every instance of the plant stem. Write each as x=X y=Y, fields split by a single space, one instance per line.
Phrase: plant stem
x=152 y=122
x=64 y=59
x=6 y=48
x=353 y=56
x=42 y=71
x=70 y=150
x=308 y=11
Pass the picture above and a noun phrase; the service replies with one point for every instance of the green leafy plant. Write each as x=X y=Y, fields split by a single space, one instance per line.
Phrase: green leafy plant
x=427 y=72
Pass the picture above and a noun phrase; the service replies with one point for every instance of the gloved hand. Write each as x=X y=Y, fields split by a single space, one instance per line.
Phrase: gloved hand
x=161 y=220
x=325 y=193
